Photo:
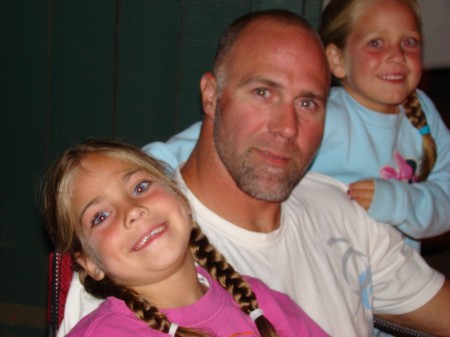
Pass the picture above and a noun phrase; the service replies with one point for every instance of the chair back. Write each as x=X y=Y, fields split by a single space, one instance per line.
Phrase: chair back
x=59 y=277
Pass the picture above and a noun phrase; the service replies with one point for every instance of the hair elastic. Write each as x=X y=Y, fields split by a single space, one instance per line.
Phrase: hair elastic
x=256 y=313
x=424 y=130
x=173 y=329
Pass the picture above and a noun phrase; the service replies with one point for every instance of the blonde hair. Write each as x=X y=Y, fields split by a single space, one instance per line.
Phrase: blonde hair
x=61 y=228
x=336 y=25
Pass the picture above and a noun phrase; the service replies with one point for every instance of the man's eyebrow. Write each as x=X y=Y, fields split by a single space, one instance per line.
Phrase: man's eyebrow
x=312 y=94
x=261 y=80
x=273 y=84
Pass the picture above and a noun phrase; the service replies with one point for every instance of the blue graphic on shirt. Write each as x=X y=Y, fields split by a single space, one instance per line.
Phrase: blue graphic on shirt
x=356 y=263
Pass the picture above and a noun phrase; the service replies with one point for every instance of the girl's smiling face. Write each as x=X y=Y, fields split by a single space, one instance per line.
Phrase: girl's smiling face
x=382 y=59
x=132 y=228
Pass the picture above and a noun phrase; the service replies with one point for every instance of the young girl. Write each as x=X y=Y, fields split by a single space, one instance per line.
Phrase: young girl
x=383 y=136
x=129 y=231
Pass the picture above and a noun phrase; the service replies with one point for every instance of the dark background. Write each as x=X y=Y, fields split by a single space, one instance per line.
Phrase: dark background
x=127 y=69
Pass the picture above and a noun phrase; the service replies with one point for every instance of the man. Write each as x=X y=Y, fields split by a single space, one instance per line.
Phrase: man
x=264 y=108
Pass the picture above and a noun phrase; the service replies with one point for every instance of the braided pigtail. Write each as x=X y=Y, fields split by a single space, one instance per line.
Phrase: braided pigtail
x=214 y=262
x=143 y=310
x=415 y=114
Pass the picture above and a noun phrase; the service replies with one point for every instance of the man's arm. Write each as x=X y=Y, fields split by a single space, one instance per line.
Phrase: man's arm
x=433 y=317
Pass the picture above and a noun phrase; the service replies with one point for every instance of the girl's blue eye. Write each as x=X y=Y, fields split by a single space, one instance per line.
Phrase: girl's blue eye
x=411 y=42
x=100 y=217
x=141 y=187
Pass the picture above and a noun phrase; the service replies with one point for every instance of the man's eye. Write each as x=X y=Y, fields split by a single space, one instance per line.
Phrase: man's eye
x=262 y=92
x=141 y=187
x=100 y=217
x=308 y=104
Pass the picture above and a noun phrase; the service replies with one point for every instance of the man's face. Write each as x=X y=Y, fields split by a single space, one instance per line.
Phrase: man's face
x=270 y=115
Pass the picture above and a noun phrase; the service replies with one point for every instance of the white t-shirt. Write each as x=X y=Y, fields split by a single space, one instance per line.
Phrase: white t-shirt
x=339 y=265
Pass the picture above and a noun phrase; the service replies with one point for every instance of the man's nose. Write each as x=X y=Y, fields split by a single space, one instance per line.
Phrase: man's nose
x=284 y=121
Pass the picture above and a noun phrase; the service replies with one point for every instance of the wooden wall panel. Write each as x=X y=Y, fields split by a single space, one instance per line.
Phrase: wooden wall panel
x=23 y=107
x=149 y=52
x=81 y=96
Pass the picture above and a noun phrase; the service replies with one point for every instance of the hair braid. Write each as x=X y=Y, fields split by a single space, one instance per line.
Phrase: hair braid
x=143 y=310
x=214 y=262
x=415 y=114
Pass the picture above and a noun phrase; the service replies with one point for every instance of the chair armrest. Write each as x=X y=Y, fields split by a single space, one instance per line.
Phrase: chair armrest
x=397 y=330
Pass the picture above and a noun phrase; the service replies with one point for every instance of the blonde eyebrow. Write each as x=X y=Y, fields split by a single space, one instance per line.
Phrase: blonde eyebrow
x=127 y=176
x=92 y=202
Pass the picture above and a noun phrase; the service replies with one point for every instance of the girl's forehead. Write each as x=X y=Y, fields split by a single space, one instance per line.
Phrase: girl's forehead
x=100 y=166
x=385 y=6
x=102 y=161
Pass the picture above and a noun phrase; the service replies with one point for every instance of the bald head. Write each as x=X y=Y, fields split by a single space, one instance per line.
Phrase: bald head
x=238 y=27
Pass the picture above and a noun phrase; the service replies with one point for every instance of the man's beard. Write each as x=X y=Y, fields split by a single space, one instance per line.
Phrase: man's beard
x=260 y=181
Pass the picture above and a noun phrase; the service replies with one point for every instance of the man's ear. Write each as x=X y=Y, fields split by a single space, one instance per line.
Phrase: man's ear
x=336 y=61
x=208 y=88
x=91 y=268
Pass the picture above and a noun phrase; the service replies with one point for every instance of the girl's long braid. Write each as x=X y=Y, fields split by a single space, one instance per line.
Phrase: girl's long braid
x=143 y=310
x=415 y=114
x=210 y=259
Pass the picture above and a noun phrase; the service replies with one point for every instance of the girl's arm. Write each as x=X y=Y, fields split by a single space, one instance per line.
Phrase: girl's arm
x=419 y=210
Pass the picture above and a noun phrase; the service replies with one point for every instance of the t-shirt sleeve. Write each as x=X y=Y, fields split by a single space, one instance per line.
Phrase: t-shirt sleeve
x=402 y=280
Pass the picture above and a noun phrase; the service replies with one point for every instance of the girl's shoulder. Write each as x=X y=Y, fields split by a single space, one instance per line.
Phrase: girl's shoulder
x=113 y=319
x=427 y=104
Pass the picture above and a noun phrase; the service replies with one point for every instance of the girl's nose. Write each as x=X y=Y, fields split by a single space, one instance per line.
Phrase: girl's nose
x=397 y=53
x=134 y=215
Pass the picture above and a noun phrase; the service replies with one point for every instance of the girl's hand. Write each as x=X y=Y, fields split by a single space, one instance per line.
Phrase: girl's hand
x=362 y=192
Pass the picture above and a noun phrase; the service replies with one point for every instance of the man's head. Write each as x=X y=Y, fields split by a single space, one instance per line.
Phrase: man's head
x=265 y=101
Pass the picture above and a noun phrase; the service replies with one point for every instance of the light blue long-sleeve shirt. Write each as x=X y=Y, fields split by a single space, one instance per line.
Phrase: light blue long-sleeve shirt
x=362 y=144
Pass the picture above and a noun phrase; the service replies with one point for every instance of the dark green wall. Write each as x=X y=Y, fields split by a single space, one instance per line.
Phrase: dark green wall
x=73 y=69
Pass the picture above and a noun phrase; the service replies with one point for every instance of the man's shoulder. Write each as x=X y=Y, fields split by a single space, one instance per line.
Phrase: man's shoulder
x=319 y=183
x=322 y=198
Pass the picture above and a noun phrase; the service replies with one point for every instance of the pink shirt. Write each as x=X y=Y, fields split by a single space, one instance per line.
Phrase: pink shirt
x=215 y=312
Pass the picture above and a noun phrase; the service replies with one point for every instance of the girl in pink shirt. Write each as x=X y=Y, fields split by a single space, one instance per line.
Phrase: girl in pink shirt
x=131 y=236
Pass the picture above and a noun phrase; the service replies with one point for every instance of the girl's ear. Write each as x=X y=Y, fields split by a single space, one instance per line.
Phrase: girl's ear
x=336 y=61
x=208 y=88
x=91 y=268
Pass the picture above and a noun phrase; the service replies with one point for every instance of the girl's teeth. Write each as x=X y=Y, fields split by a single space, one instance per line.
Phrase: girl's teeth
x=393 y=77
x=149 y=236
